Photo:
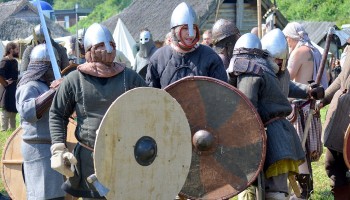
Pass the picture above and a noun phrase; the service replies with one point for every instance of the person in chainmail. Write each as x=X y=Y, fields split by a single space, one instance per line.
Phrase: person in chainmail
x=147 y=49
x=253 y=72
x=88 y=91
x=33 y=100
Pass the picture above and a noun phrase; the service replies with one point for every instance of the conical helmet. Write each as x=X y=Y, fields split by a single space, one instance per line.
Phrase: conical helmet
x=96 y=34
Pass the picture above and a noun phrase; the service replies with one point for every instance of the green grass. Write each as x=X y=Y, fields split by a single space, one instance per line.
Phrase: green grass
x=321 y=181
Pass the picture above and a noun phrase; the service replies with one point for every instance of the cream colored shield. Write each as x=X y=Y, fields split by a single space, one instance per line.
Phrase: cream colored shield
x=143 y=147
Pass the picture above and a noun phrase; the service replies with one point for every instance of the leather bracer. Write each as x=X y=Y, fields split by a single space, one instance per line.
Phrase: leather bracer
x=43 y=102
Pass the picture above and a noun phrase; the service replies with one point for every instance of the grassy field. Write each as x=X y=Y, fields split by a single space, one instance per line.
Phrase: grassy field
x=321 y=181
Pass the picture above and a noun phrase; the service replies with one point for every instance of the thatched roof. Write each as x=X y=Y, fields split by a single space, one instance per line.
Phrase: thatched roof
x=19 y=17
x=317 y=31
x=155 y=15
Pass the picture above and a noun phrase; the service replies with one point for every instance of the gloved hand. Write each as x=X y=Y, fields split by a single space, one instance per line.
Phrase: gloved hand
x=62 y=160
x=316 y=91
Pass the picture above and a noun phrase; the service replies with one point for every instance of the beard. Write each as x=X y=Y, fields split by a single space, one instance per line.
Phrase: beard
x=15 y=55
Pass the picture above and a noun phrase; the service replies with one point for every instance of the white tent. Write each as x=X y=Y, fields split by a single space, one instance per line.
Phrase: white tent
x=320 y=48
x=124 y=41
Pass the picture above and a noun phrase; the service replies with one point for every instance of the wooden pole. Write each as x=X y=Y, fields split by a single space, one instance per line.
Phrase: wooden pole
x=259 y=18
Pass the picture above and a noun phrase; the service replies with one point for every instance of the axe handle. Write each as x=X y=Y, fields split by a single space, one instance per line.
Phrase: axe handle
x=294 y=185
x=318 y=80
x=325 y=55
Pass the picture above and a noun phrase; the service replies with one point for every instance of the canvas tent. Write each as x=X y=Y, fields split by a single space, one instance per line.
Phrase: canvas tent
x=124 y=41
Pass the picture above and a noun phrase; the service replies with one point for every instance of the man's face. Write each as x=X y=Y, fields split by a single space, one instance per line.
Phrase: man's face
x=291 y=43
x=15 y=52
x=184 y=33
x=207 y=39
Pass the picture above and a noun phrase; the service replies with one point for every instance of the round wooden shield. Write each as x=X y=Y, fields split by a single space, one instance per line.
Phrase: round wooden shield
x=228 y=137
x=12 y=161
x=346 y=149
x=143 y=146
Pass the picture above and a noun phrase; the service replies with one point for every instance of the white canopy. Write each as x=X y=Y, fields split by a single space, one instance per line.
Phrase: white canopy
x=124 y=41
x=320 y=48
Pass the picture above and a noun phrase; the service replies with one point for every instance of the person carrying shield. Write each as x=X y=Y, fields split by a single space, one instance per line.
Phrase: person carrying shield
x=184 y=57
x=253 y=72
x=337 y=120
x=33 y=100
x=88 y=91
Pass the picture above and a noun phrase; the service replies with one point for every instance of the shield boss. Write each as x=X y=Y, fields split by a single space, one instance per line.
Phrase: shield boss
x=143 y=146
x=228 y=138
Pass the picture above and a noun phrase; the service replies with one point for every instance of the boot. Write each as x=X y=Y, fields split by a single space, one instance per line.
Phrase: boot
x=306 y=185
x=341 y=193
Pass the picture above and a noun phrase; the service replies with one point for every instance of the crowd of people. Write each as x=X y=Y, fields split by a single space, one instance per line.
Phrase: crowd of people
x=273 y=72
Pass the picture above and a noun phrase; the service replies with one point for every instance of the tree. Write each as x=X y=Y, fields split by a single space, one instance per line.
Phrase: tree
x=102 y=12
x=315 y=10
x=70 y=4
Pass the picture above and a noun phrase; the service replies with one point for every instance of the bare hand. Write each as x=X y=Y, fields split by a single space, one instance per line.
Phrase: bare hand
x=9 y=81
x=56 y=83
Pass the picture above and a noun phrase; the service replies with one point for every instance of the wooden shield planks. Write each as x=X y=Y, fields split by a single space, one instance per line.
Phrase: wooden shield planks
x=237 y=140
x=138 y=113
x=346 y=149
x=12 y=166
x=12 y=161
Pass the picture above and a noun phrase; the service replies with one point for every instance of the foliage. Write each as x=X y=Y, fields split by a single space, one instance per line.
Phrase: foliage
x=103 y=9
x=315 y=10
x=70 y=4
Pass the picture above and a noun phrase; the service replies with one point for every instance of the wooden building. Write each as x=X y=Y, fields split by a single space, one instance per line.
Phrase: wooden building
x=68 y=17
x=156 y=14
x=18 y=18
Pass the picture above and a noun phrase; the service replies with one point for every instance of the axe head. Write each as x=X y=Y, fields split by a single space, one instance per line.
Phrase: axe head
x=101 y=189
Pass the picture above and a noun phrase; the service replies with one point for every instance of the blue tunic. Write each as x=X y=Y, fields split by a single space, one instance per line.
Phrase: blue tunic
x=41 y=181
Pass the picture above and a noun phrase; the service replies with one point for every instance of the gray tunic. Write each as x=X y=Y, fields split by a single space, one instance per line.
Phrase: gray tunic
x=41 y=181
x=338 y=114
x=259 y=83
x=89 y=97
